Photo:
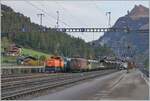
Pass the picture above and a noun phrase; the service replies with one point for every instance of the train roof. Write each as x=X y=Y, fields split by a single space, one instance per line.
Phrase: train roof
x=78 y=59
x=93 y=60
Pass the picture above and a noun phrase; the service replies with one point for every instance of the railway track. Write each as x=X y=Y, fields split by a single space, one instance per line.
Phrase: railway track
x=27 y=76
x=25 y=81
x=18 y=75
x=145 y=72
x=28 y=84
x=33 y=81
x=40 y=86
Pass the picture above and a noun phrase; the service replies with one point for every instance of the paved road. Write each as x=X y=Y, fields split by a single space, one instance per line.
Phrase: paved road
x=116 y=86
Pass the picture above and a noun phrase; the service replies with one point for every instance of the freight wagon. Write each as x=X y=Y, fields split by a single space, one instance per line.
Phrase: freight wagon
x=95 y=65
x=109 y=64
x=79 y=64
x=59 y=64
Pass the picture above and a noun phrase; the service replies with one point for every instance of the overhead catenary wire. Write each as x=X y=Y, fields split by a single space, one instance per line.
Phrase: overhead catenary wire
x=72 y=16
x=38 y=8
x=55 y=18
x=34 y=6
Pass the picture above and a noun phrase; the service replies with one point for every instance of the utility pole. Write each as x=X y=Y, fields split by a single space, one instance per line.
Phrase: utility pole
x=57 y=22
x=109 y=18
x=41 y=15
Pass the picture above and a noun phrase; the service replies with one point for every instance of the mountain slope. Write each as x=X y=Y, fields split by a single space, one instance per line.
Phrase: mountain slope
x=20 y=30
x=30 y=35
x=137 y=18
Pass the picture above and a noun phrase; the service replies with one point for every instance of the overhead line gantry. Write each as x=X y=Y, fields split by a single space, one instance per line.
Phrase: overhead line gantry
x=101 y=30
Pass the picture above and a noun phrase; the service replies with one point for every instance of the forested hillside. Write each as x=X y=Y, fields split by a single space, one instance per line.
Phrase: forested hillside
x=19 y=29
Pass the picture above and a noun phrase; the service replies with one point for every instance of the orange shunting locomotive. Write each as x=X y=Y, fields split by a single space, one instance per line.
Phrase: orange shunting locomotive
x=54 y=64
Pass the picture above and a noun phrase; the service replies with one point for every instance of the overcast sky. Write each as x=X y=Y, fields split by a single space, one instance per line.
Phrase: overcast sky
x=74 y=13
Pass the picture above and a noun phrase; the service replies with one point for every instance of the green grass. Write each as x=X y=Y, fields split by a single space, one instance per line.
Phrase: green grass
x=26 y=52
x=5 y=43
x=8 y=59
x=30 y=52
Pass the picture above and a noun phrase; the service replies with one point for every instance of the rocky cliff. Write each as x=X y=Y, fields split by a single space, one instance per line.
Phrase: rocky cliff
x=129 y=44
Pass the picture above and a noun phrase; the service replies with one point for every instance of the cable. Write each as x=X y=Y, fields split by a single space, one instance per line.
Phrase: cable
x=77 y=19
x=44 y=12
x=37 y=9
x=59 y=20
x=55 y=18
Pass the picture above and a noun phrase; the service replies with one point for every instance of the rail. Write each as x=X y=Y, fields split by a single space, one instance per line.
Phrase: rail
x=44 y=85
x=145 y=72
x=26 y=77
x=19 y=66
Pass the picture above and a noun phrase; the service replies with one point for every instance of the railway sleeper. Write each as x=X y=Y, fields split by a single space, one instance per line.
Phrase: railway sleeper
x=57 y=84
